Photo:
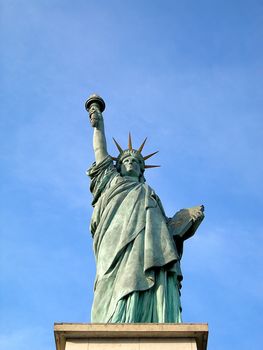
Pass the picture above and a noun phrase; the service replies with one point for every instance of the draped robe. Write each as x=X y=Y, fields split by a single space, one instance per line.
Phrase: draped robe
x=137 y=261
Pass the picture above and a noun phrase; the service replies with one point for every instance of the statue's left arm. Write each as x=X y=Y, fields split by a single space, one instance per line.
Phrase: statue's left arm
x=184 y=224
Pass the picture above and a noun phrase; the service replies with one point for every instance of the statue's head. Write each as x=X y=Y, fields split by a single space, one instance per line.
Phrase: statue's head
x=131 y=167
x=130 y=162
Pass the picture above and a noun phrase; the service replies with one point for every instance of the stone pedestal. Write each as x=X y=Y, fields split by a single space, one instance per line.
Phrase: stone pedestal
x=130 y=336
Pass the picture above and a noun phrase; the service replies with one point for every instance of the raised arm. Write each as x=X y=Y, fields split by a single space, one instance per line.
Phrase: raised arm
x=96 y=119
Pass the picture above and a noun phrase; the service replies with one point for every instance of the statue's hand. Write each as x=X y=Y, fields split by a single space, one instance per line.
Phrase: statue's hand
x=95 y=116
x=197 y=212
x=185 y=222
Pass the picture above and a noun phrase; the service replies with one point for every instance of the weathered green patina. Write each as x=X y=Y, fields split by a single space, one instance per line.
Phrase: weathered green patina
x=137 y=248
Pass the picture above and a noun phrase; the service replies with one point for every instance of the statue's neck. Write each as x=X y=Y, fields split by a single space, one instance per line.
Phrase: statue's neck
x=131 y=178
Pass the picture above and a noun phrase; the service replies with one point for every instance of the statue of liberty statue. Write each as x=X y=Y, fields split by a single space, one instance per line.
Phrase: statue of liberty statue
x=137 y=247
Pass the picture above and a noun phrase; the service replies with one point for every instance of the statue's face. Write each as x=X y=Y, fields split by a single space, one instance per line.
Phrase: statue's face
x=130 y=167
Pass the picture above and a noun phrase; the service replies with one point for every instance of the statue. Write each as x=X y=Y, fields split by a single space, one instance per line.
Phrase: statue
x=137 y=248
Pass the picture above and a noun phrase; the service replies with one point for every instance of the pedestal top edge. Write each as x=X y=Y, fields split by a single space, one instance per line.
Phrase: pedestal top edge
x=69 y=331
x=108 y=329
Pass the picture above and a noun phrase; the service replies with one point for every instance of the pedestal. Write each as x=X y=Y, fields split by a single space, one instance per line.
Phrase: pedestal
x=130 y=336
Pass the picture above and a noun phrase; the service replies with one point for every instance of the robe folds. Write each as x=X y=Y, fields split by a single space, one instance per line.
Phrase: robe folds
x=137 y=262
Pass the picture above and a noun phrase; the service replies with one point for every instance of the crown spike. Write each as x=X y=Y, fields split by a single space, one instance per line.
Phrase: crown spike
x=117 y=145
x=142 y=145
x=150 y=155
x=152 y=166
x=130 y=142
x=114 y=158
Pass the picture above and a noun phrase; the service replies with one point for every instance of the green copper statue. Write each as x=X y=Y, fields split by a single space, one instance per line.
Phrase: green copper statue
x=137 y=248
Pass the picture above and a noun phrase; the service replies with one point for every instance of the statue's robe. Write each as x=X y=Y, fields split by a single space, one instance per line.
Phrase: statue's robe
x=138 y=264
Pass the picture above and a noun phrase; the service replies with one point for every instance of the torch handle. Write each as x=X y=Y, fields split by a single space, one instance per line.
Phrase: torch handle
x=95 y=105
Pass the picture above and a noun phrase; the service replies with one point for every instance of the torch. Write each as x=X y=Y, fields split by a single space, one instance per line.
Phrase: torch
x=95 y=105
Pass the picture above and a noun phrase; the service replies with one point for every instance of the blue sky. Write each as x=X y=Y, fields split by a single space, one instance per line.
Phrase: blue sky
x=187 y=74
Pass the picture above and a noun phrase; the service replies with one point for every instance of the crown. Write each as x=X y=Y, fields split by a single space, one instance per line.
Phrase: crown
x=133 y=152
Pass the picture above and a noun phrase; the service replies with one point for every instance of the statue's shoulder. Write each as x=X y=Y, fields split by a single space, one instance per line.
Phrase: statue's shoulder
x=105 y=166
